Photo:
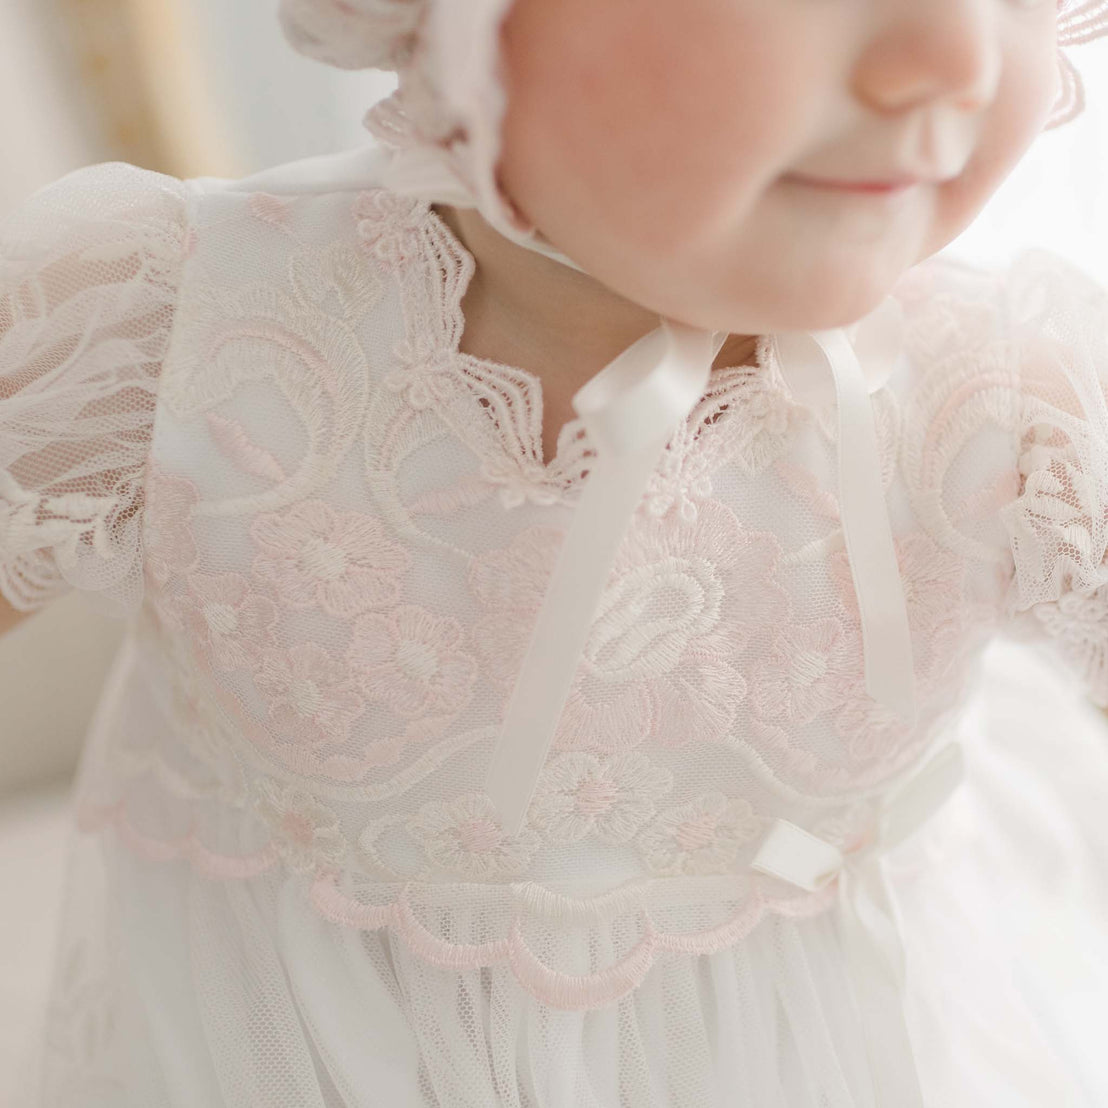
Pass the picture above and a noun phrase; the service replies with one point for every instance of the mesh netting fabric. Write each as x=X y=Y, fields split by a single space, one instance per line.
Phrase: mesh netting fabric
x=88 y=287
x=173 y=990
x=333 y=533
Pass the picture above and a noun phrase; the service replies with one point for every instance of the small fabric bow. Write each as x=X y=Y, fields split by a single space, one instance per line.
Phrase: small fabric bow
x=870 y=931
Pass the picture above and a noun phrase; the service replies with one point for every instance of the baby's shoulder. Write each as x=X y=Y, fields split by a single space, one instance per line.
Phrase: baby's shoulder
x=306 y=185
x=334 y=217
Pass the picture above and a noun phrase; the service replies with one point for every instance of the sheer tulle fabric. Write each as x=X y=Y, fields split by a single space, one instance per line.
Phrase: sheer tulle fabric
x=199 y=991
x=242 y=420
x=88 y=283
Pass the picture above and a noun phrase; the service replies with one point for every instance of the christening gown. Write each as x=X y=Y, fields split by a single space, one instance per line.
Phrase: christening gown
x=237 y=415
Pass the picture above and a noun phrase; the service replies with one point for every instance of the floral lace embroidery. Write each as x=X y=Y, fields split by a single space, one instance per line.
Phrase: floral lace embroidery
x=306 y=833
x=340 y=561
x=502 y=422
x=702 y=836
x=226 y=618
x=411 y=661
x=314 y=698
x=704 y=582
x=464 y=837
x=170 y=548
x=581 y=794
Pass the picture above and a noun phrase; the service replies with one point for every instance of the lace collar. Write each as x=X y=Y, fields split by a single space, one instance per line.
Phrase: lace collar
x=503 y=423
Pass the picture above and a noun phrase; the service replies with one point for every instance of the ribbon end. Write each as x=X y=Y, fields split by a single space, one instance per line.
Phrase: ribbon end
x=897 y=692
x=510 y=798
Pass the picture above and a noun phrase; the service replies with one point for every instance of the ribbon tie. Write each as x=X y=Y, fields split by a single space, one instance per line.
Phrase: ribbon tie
x=630 y=410
x=867 y=913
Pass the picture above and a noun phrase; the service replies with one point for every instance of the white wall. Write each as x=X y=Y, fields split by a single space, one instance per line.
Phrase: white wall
x=1058 y=195
x=280 y=105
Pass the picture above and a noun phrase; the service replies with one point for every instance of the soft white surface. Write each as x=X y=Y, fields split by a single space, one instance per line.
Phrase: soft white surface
x=33 y=828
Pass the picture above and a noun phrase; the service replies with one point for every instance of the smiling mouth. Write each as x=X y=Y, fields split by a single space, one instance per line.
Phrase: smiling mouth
x=874 y=188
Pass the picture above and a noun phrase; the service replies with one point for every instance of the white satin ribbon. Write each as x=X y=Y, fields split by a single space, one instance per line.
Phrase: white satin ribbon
x=630 y=409
x=867 y=914
x=860 y=359
x=625 y=412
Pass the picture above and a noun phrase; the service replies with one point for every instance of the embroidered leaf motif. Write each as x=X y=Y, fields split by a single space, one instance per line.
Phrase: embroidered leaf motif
x=273 y=210
x=464 y=493
x=233 y=440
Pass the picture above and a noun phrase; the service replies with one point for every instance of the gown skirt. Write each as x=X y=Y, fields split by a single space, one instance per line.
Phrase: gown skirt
x=193 y=992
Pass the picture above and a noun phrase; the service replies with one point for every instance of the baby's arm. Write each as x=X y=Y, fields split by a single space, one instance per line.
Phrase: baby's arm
x=9 y=617
x=90 y=268
x=1058 y=524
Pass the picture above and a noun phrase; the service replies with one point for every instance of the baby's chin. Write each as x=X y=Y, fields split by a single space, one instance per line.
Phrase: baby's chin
x=777 y=296
x=766 y=274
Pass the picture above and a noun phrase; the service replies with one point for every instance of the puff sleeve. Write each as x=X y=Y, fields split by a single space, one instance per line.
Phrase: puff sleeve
x=1058 y=524
x=89 y=273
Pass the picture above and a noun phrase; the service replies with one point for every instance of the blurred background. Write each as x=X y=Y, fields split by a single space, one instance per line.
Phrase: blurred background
x=209 y=88
x=188 y=87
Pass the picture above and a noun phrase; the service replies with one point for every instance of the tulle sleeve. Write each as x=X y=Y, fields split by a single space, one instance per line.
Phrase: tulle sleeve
x=89 y=273
x=1058 y=524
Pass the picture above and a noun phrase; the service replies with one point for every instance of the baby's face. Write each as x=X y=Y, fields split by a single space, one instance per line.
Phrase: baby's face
x=652 y=141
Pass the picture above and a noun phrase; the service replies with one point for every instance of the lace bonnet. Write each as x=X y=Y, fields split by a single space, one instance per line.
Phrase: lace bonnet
x=443 y=121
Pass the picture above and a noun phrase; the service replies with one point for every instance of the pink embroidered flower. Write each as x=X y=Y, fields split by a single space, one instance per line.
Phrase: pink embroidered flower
x=702 y=836
x=932 y=579
x=343 y=562
x=313 y=698
x=809 y=670
x=226 y=618
x=580 y=794
x=305 y=832
x=425 y=377
x=389 y=225
x=412 y=661
x=167 y=534
x=658 y=663
x=465 y=836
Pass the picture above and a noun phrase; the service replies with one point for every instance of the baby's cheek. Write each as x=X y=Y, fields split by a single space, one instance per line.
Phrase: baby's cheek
x=668 y=117
x=1022 y=103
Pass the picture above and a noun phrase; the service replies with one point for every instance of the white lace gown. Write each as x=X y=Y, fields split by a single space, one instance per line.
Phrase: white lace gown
x=237 y=416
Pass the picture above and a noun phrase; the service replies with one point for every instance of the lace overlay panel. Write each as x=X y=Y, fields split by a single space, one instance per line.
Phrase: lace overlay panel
x=346 y=530
x=88 y=285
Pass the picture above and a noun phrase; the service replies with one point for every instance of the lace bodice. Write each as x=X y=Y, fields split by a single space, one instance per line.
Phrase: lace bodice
x=242 y=421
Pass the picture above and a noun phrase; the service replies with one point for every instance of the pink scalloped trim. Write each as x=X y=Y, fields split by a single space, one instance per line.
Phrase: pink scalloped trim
x=203 y=860
x=569 y=992
x=559 y=990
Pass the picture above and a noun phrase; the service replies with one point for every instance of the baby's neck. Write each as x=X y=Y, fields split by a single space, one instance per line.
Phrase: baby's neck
x=524 y=309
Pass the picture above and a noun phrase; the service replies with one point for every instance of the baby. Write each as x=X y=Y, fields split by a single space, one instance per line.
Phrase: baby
x=471 y=745
x=694 y=182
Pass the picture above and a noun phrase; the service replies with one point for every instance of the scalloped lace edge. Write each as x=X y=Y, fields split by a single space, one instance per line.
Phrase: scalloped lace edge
x=574 y=992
